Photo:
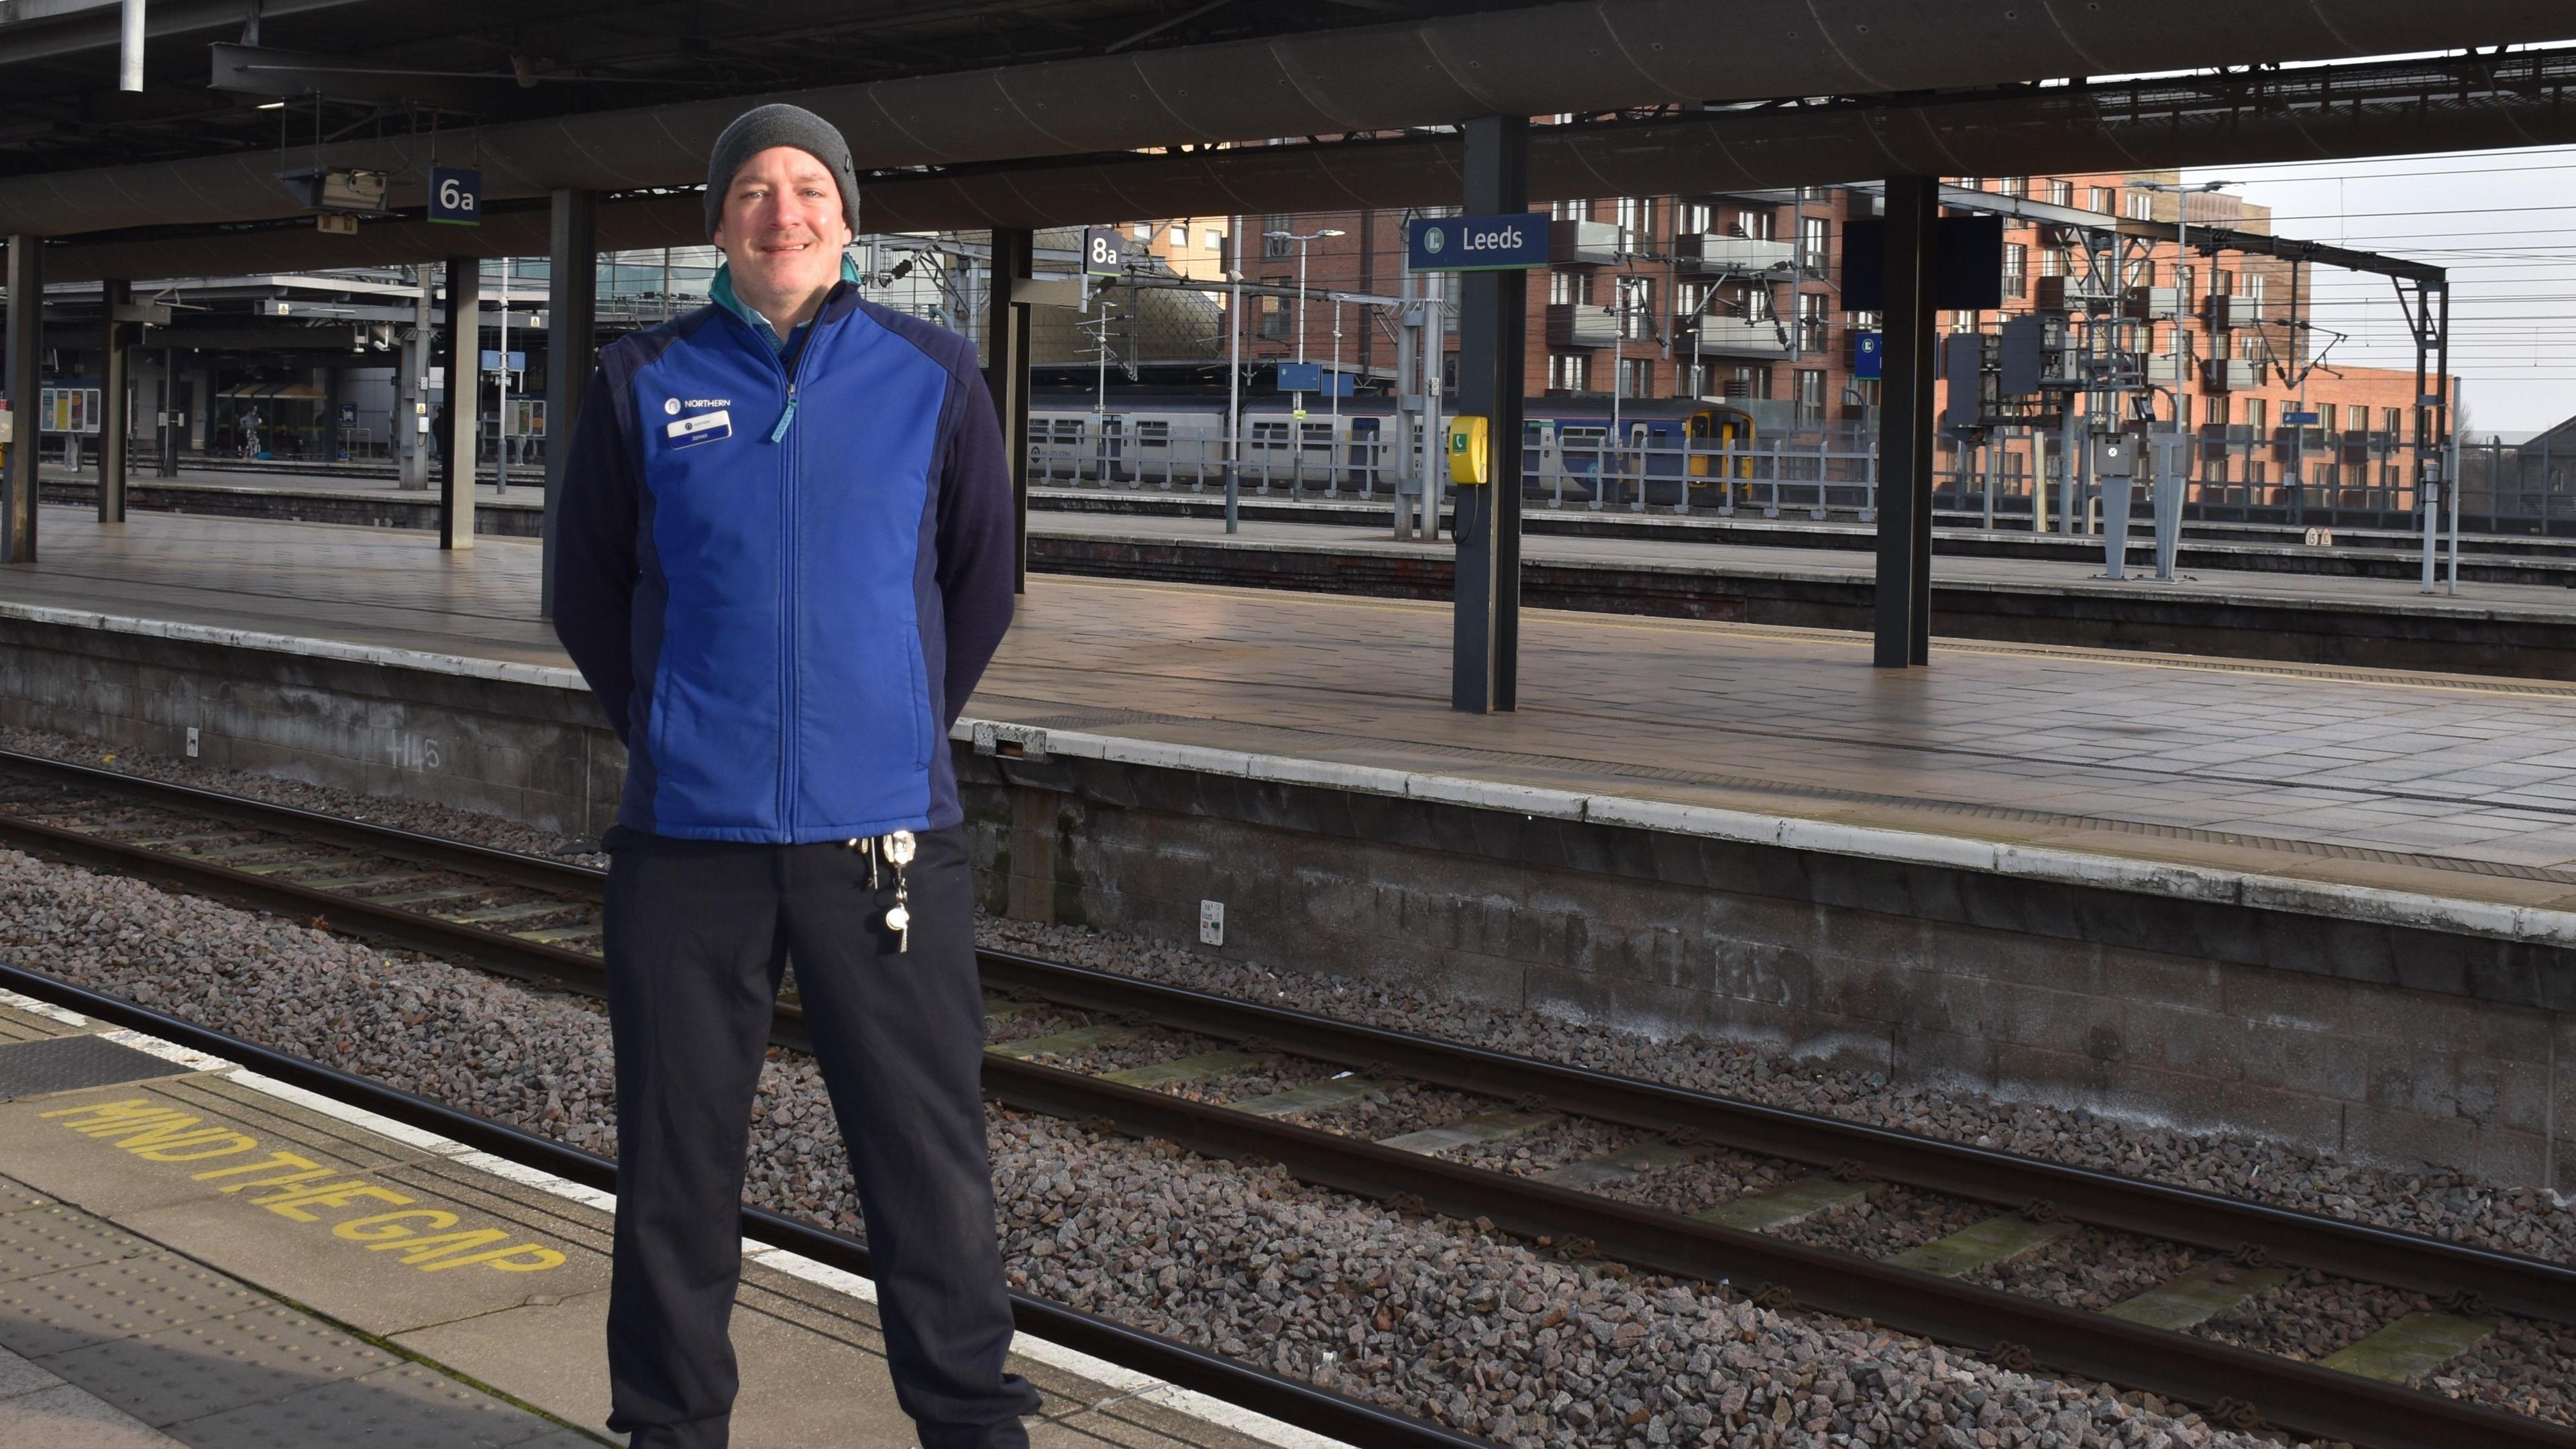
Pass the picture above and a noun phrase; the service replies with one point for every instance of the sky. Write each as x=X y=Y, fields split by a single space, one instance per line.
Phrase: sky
x=2503 y=222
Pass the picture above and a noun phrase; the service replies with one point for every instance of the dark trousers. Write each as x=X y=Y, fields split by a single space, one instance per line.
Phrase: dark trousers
x=698 y=934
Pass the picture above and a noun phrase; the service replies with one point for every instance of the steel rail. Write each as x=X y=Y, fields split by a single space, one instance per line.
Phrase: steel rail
x=2288 y=1394
x=1319 y=1410
x=2528 y=1287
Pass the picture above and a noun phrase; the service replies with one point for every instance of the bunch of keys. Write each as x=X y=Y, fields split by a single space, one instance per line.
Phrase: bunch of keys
x=898 y=853
x=898 y=850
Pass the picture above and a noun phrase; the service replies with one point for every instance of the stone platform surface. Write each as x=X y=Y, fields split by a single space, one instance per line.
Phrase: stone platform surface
x=2178 y=774
x=192 y=1254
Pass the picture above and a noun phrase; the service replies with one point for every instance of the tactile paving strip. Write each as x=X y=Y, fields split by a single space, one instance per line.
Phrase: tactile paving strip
x=50 y=1239
x=165 y=1375
x=405 y=1407
x=67 y=1063
x=78 y=1307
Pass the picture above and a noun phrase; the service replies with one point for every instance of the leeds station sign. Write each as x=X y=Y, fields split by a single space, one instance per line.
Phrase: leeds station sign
x=1476 y=243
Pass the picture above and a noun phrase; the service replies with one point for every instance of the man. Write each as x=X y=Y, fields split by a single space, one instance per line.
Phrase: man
x=785 y=558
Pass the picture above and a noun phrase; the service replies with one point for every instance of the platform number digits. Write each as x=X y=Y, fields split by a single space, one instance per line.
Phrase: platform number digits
x=418 y=752
x=452 y=196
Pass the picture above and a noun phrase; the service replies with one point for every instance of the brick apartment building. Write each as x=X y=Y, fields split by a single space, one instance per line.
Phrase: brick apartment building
x=1737 y=296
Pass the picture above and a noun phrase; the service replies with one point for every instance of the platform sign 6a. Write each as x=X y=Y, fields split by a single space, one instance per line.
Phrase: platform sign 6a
x=1476 y=243
x=1104 y=251
x=456 y=196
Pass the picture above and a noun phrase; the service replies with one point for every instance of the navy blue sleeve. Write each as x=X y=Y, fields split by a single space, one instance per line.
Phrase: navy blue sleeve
x=977 y=540
x=595 y=565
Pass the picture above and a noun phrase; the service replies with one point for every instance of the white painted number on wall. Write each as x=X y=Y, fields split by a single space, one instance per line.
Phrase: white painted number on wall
x=417 y=752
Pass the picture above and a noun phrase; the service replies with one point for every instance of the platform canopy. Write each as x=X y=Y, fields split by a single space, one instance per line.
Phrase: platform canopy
x=546 y=94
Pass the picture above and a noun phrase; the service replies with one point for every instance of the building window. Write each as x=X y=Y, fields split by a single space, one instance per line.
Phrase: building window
x=2014 y=186
x=1274 y=311
x=2142 y=206
x=2250 y=287
x=1690 y=379
x=1754 y=304
x=1275 y=246
x=1636 y=377
x=1569 y=372
x=2016 y=270
x=1144 y=230
x=1180 y=234
x=1811 y=397
x=1215 y=240
x=1814 y=238
x=2388 y=423
x=1690 y=298
x=2256 y=415
x=1571 y=211
x=2102 y=199
x=2061 y=193
x=1567 y=289
x=1637 y=214
x=1811 y=321
x=1751 y=380
x=1761 y=225
x=2326 y=418
x=1691 y=217
x=1636 y=309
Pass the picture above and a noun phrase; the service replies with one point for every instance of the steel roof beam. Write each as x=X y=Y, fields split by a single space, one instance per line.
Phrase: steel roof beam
x=2327 y=112
x=1531 y=60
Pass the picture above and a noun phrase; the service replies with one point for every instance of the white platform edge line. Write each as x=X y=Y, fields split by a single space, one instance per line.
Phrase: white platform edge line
x=1124 y=1383
x=2161 y=878
x=546 y=675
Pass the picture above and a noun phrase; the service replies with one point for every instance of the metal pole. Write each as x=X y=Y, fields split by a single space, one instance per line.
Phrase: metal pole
x=1435 y=362
x=1485 y=638
x=129 y=47
x=572 y=346
x=1006 y=378
x=414 y=426
x=170 y=414
x=26 y=356
x=501 y=379
x=464 y=400
x=1234 y=402
x=115 y=375
x=1905 y=432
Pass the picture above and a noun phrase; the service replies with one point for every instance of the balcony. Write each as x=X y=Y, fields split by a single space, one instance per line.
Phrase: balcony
x=2224 y=312
x=1580 y=324
x=1583 y=243
x=2229 y=374
x=1743 y=337
x=1733 y=255
x=2063 y=293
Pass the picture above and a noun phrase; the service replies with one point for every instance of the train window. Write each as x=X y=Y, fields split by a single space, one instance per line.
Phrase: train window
x=1154 y=434
x=1316 y=436
x=1269 y=435
x=1068 y=430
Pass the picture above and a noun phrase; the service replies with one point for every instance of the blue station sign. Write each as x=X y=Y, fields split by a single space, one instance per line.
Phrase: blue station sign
x=1869 y=352
x=1476 y=243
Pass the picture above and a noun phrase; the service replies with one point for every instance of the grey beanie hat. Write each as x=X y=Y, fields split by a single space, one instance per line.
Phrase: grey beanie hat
x=756 y=130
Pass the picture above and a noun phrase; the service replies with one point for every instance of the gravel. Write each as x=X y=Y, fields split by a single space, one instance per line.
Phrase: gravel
x=2438 y=1203
x=1482 y=1332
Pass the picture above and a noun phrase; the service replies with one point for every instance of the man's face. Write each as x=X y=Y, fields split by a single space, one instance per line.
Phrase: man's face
x=782 y=229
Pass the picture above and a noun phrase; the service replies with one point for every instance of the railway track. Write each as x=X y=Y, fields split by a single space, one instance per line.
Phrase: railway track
x=532 y=918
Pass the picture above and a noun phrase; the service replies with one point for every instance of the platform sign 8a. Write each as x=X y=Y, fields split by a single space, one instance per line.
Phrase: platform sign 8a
x=1104 y=251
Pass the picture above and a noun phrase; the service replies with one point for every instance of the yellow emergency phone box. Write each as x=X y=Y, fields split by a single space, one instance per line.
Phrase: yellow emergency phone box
x=1470 y=453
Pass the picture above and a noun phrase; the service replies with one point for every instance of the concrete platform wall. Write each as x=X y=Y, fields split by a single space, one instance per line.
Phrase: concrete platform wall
x=528 y=752
x=2381 y=1043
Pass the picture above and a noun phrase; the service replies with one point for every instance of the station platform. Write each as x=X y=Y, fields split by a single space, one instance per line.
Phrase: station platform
x=2330 y=903
x=2241 y=593
x=158 y=1286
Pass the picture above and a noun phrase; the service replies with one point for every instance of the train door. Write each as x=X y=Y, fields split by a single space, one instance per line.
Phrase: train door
x=1154 y=450
x=1364 y=454
x=1585 y=451
x=1110 y=451
x=1269 y=449
x=1064 y=456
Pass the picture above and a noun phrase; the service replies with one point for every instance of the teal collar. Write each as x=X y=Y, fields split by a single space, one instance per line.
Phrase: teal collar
x=721 y=293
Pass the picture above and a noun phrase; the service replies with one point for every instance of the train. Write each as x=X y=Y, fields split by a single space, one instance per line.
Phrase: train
x=1675 y=449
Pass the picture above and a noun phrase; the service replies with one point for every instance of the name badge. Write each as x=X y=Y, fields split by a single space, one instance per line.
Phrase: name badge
x=704 y=428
